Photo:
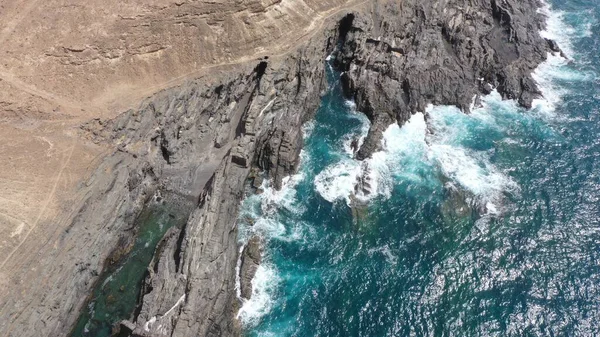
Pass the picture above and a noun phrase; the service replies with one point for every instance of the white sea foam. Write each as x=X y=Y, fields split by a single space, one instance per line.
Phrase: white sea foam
x=492 y=102
x=563 y=33
x=350 y=104
x=404 y=152
x=308 y=128
x=386 y=252
x=271 y=198
x=401 y=143
x=262 y=211
x=557 y=29
x=238 y=268
x=359 y=135
x=337 y=181
x=546 y=76
x=472 y=170
x=399 y=148
x=264 y=283
x=555 y=67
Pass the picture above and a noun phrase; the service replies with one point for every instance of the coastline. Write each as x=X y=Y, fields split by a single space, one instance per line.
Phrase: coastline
x=151 y=322
x=252 y=118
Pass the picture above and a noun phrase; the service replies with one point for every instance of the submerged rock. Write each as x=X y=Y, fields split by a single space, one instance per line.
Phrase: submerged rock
x=360 y=212
x=363 y=187
x=457 y=203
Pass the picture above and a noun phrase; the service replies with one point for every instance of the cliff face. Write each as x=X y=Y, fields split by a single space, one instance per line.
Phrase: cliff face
x=201 y=140
x=67 y=202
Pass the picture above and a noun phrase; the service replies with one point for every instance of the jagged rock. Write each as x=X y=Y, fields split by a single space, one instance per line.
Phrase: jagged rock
x=126 y=327
x=251 y=258
x=257 y=182
x=555 y=48
x=403 y=55
x=397 y=57
x=273 y=100
x=363 y=182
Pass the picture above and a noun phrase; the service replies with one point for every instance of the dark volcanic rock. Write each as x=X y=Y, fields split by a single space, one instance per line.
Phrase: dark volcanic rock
x=207 y=138
x=403 y=55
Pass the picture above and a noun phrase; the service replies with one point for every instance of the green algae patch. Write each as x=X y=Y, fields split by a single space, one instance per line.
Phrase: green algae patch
x=117 y=292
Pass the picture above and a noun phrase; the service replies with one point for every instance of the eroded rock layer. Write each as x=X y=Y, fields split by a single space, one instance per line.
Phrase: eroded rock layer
x=202 y=140
x=397 y=57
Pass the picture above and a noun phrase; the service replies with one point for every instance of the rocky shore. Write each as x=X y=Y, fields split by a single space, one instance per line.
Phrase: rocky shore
x=219 y=131
x=201 y=140
x=400 y=57
x=396 y=58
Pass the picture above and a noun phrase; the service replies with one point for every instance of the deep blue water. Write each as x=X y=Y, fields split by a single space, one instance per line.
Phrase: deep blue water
x=480 y=225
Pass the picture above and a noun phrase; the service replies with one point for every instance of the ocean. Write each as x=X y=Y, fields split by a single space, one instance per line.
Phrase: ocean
x=486 y=224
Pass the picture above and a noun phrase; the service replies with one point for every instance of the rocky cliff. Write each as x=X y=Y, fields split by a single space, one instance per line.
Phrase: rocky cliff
x=204 y=139
x=403 y=55
x=201 y=140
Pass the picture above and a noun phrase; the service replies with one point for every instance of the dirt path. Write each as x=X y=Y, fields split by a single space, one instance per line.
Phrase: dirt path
x=128 y=98
x=274 y=53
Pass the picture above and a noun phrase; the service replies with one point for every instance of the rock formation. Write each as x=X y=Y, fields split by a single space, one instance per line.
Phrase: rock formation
x=250 y=261
x=220 y=131
x=404 y=55
x=397 y=57
x=71 y=196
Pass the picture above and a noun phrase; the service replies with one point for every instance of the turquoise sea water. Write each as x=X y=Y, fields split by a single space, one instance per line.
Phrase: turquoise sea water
x=116 y=294
x=485 y=224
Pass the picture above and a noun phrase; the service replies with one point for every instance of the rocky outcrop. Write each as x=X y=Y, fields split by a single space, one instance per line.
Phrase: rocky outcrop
x=206 y=137
x=403 y=55
x=250 y=260
x=396 y=58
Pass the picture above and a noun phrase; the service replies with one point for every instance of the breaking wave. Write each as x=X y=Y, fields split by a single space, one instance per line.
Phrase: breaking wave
x=264 y=283
x=259 y=216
